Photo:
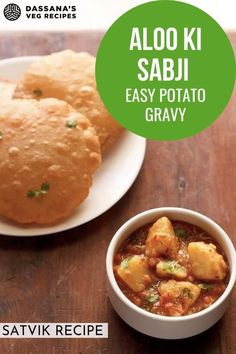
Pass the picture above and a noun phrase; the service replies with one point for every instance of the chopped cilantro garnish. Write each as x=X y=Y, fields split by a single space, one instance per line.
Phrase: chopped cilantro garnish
x=171 y=267
x=33 y=194
x=187 y=292
x=37 y=92
x=45 y=187
x=124 y=264
x=37 y=192
x=1 y=135
x=151 y=297
x=71 y=123
x=205 y=286
x=181 y=233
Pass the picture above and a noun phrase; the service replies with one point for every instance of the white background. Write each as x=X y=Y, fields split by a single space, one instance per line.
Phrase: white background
x=100 y=14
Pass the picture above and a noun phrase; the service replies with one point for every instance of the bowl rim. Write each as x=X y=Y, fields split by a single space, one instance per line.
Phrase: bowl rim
x=112 y=248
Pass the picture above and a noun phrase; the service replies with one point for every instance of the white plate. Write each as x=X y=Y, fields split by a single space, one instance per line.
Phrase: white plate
x=111 y=181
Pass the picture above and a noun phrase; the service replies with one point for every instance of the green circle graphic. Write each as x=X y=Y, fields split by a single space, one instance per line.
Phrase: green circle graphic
x=165 y=70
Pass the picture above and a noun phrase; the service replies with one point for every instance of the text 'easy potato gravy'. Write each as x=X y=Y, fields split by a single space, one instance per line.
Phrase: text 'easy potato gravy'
x=171 y=268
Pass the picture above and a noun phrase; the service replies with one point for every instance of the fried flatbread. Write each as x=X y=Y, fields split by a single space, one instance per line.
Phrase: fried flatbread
x=70 y=76
x=48 y=153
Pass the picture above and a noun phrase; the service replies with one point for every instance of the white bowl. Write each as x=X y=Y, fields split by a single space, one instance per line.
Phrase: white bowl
x=163 y=326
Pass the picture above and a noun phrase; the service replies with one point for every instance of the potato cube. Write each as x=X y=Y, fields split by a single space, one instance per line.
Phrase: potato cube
x=135 y=272
x=161 y=239
x=177 y=296
x=207 y=264
x=171 y=268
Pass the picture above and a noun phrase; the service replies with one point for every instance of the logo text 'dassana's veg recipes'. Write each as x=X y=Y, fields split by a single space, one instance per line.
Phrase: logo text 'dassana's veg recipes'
x=13 y=12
